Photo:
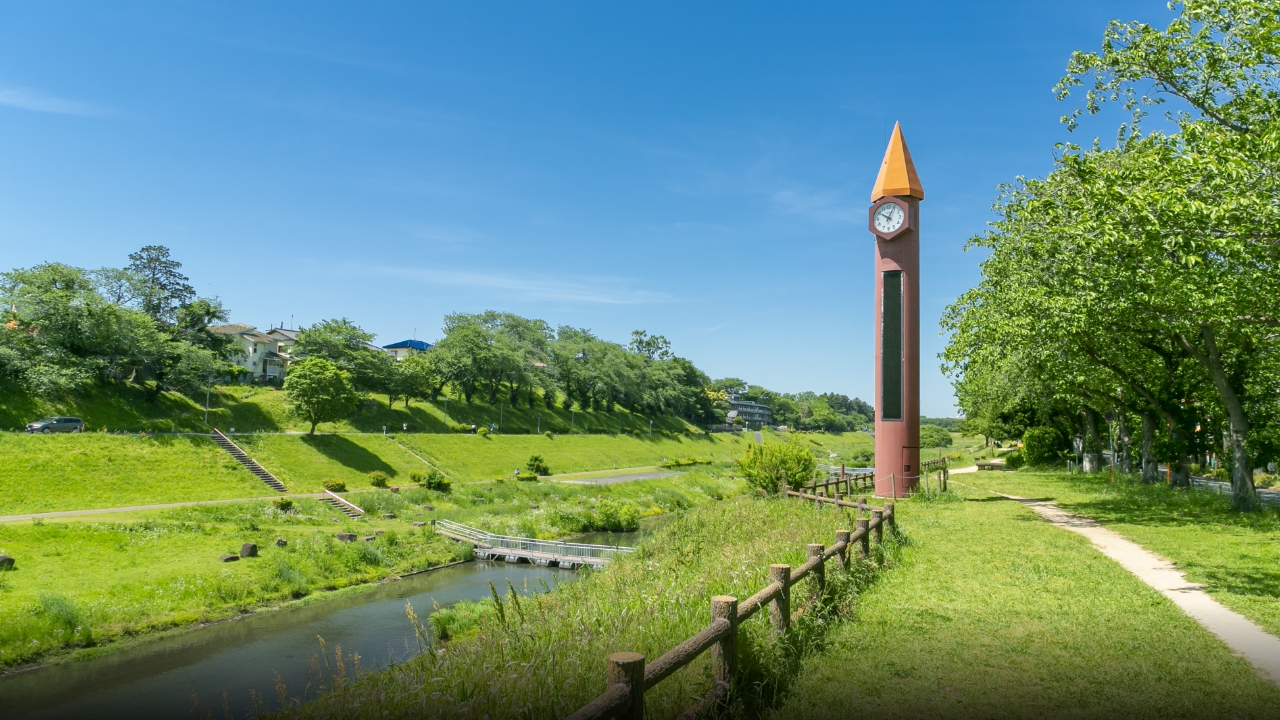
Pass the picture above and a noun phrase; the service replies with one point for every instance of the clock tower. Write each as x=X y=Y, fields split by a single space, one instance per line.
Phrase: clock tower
x=895 y=223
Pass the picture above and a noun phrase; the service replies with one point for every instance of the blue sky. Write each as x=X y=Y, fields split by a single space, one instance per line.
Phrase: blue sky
x=698 y=170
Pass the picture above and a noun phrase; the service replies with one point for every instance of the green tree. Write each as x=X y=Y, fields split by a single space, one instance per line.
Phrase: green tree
x=351 y=348
x=320 y=391
x=162 y=287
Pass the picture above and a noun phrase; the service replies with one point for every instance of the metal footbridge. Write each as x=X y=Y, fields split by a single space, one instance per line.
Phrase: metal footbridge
x=538 y=552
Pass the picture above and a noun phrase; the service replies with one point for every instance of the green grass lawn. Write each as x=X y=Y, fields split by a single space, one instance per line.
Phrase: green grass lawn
x=544 y=656
x=471 y=457
x=1236 y=555
x=995 y=613
x=42 y=473
x=93 y=581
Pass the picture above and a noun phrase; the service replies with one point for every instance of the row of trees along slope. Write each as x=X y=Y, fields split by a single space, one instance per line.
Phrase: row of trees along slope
x=1144 y=279
x=68 y=329
x=501 y=357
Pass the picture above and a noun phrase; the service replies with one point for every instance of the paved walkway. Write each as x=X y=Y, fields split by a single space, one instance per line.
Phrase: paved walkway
x=132 y=508
x=1238 y=632
x=615 y=479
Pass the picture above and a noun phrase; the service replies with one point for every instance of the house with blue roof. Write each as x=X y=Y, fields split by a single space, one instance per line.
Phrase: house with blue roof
x=403 y=349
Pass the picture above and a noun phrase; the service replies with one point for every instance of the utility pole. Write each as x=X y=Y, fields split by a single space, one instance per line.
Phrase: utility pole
x=572 y=414
x=539 y=423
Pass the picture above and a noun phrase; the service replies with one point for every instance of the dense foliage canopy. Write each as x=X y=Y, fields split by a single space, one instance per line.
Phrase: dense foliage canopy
x=1143 y=280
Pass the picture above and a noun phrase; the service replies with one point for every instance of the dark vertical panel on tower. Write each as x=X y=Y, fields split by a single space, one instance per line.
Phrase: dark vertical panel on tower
x=891 y=350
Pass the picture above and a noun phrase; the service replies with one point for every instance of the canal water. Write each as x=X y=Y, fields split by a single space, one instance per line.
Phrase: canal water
x=186 y=675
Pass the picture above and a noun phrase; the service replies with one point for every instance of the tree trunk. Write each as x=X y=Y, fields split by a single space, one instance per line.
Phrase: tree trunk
x=1180 y=474
x=1243 y=495
x=313 y=427
x=1124 y=444
x=1092 y=442
x=1149 y=467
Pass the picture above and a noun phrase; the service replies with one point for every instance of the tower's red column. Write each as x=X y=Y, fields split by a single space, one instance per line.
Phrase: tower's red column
x=897 y=262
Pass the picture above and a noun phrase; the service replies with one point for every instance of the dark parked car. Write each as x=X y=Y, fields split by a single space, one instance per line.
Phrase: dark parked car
x=56 y=424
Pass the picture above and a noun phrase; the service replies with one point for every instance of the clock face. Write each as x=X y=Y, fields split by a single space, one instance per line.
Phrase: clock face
x=888 y=218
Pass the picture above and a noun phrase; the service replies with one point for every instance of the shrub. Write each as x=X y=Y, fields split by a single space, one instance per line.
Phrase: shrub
x=932 y=436
x=526 y=476
x=537 y=465
x=434 y=480
x=548 y=434
x=771 y=466
x=284 y=505
x=683 y=462
x=1041 y=445
x=334 y=486
x=1015 y=460
x=378 y=479
x=483 y=432
x=417 y=478
x=617 y=516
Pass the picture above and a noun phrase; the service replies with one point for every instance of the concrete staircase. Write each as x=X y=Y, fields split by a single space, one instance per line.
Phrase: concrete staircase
x=253 y=467
x=341 y=505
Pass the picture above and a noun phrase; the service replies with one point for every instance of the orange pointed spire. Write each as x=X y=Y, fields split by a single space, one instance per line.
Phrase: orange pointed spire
x=897 y=172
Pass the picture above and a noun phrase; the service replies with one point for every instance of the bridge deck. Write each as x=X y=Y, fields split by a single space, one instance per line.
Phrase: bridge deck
x=531 y=550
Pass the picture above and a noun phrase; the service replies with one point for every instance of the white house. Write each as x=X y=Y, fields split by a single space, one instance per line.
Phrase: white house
x=258 y=352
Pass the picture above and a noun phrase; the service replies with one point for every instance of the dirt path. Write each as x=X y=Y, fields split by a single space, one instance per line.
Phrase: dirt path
x=1261 y=649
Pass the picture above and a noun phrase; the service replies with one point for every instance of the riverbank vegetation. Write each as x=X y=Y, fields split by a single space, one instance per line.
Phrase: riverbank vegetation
x=544 y=656
x=86 y=583
x=993 y=612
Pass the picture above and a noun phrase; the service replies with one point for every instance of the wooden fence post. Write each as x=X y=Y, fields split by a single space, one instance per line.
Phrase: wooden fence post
x=877 y=517
x=819 y=582
x=864 y=542
x=891 y=516
x=724 y=654
x=627 y=668
x=842 y=536
x=780 y=608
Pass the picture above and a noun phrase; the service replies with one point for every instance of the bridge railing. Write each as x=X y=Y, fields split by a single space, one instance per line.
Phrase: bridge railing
x=548 y=547
x=629 y=676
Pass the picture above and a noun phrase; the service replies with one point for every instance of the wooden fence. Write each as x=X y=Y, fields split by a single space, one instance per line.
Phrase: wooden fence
x=847 y=484
x=629 y=677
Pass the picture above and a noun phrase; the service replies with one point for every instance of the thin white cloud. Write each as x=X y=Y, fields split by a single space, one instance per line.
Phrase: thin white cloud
x=825 y=206
x=24 y=99
x=529 y=287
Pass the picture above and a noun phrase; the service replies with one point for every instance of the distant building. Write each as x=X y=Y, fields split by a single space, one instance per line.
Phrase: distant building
x=257 y=352
x=749 y=412
x=403 y=349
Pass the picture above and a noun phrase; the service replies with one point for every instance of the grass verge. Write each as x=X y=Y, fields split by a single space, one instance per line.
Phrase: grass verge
x=1235 y=555
x=995 y=613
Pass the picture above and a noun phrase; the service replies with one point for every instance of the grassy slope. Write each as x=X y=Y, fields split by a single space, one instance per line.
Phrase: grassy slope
x=303 y=462
x=470 y=457
x=92 y=470
x=130 y=573
x=1236 y=555
x=645 y=602
x=994 y=613
x=247 y=408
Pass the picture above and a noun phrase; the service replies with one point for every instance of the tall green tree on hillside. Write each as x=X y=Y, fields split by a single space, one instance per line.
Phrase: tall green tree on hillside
x=320 y=391
x=162 y=287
